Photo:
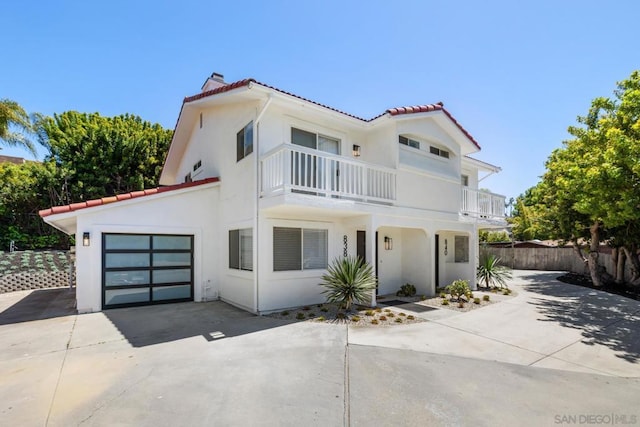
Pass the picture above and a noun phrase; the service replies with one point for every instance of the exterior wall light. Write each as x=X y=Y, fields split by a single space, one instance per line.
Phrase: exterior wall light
x=445 y=247
x=388 y=243
x=356 y=150
x=86 y=239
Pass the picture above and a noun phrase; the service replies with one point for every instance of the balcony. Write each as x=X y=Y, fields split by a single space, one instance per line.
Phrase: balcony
x=482 y=204
x=297 y=169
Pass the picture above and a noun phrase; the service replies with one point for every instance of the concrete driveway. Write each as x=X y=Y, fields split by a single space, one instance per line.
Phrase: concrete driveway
x=551 y=353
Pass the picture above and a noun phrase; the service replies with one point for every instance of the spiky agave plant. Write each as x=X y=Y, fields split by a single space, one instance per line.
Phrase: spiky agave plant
x=491 y=272
x=348 y=280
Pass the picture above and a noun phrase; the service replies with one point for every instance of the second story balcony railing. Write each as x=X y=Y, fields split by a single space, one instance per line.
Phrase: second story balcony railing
x=293 y=168
x=482 y=204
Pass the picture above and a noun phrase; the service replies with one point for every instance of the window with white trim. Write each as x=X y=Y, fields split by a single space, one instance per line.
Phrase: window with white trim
x=408 y=142
x=439 y=152
x=244 y=141
x=241 y=249
x=461 y=248
x=300 y=249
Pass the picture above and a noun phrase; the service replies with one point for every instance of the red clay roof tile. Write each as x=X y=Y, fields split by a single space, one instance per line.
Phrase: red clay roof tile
x=126 y=196
x=392 y=111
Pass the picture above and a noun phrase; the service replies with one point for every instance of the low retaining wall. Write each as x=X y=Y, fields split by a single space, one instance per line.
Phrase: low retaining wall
x=27 y=281
x=549 y=259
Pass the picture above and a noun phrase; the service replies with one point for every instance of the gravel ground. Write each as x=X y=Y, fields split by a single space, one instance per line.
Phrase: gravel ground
x=383 y=315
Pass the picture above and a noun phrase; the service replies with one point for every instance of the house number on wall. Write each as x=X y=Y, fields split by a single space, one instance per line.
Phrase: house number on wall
x=344 y=241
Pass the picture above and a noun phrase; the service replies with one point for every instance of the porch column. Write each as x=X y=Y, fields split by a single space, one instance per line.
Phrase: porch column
x=371 y=251
x=473 y=257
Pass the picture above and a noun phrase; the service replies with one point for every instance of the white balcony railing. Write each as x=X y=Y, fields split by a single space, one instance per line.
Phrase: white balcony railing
x=482 y=204
x=292 y=168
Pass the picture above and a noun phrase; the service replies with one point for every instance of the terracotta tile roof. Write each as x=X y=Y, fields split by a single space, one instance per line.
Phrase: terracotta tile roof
x=427 y=109
x=392 y=111
x=12 y=159
x=120 y=197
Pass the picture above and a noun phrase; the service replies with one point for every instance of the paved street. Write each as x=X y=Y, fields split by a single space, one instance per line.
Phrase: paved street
x=552 y=352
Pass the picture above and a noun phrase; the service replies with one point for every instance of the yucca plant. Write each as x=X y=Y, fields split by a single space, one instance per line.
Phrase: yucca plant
x=491 y=272
x=348 y=280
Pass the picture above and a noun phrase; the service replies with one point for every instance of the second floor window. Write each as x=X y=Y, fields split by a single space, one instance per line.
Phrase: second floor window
x=409 y=142
x=244 y=141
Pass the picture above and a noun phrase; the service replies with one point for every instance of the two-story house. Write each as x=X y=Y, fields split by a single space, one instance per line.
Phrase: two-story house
x=262 y=189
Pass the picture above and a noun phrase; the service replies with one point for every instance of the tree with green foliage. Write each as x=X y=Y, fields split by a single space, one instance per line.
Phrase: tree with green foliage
x=487 y=236
x=102 y=156
x=12 y=115
x=27 y=188
x=591 y=187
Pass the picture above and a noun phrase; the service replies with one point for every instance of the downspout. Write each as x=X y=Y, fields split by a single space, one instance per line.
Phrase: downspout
x=256 y=220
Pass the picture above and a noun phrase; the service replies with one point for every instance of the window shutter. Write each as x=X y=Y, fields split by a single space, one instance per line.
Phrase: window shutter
x=234 y=249
x=315 y=243
x=286 y=249
x=248 y=139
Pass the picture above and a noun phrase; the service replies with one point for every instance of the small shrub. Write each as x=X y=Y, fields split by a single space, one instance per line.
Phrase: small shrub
x=398 y=320
x=368 y=313
x=284 y=313
x=461 y=304
x=443 y=295
x=506 y=292
x=321 y=319
x=406 y=291
x=300 y=315
x=324 y=309
x=458 y=289
x=410 y=317
x=311 y=315
x=383 y=318
x=355 y=318
x=445 y=302
x=476 y=300
x=378 y=310
x=470 y=296
x=374 y=321
x=494 y=290
x=402 y=314
x=391 y=315
x=387 y=310
x=423 y=297
x=486 y=297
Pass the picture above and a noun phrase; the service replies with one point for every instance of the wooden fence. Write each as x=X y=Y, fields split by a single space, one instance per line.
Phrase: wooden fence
x=550 y=259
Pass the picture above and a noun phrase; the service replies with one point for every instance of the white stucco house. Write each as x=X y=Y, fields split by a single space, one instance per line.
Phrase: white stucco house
x=261 y=189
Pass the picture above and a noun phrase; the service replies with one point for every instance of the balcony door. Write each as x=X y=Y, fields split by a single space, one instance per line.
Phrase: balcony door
x=313 y=171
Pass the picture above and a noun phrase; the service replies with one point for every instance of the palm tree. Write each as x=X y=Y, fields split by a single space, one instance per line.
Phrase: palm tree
x=491 y=272
x=349 y=280
x=13 y=115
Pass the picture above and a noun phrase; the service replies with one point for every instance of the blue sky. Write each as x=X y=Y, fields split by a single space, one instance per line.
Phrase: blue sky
x=514 y=74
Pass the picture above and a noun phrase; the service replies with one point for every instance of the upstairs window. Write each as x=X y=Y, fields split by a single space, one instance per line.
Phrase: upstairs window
x=409 y=142
x=187 y=177
x=197 y=165
x=439 y=152
x=464 y=180
x=244 y=142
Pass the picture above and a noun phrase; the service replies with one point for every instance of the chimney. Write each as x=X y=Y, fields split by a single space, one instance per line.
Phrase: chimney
x=215 y=81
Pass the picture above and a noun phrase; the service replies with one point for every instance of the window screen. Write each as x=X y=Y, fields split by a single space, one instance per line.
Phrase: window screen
x=462 y=249
x=286 y=249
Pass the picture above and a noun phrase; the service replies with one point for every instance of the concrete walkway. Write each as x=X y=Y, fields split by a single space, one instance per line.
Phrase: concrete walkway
x=548 y=324
x=212 y=364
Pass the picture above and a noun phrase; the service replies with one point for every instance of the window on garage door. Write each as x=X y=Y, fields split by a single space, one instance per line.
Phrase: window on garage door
x=141 y=269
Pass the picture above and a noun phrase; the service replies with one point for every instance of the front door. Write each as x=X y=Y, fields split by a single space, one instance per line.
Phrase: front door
x=361 y=245
x=437 y=260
